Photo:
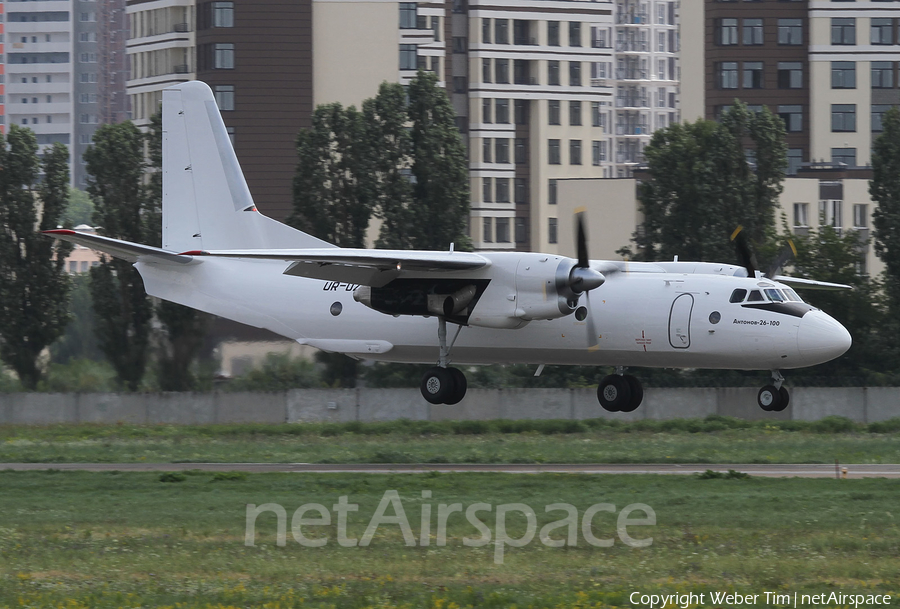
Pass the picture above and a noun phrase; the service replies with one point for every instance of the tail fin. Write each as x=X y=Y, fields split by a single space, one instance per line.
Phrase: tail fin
x=206 y=202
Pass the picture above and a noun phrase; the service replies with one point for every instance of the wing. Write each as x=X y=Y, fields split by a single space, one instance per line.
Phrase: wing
x=810 y=284
x=375 y=268
x=120 y=249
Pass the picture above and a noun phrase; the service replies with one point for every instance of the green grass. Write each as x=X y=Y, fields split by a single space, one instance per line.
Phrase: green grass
x=77 y=539
x=710 y=440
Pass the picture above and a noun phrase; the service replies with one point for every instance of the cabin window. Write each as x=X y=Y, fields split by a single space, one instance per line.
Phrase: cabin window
x=738 y=295
x=756 y=296
x=775 y=295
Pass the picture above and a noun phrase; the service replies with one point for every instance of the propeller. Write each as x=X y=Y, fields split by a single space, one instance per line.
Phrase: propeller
x=582 y=278
x=748 y=259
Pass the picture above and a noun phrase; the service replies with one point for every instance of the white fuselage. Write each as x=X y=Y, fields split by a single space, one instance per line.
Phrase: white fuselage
x=653 y=319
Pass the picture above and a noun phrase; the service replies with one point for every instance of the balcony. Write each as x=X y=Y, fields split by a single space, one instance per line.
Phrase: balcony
x=632 y=46
x=627 y=129
x=634 y=158
x=182 y=27
x=633 y=19
x=182 y=69
x=632 y=74
x=632 y=101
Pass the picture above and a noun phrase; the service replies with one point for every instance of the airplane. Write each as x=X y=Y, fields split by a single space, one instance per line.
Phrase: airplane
x=220 y=255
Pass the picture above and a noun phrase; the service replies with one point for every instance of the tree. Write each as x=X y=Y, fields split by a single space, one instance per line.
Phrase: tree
x=80 y=209
x=182 y=330
x=34 y=287
x=115 y=167
x=439 y=167
x=702 y=185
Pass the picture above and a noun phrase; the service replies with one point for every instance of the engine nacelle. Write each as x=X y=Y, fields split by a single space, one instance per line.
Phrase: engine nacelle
x=548 y=287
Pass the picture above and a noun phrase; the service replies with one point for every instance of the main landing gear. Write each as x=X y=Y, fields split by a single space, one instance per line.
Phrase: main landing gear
x=442 y=384
x=774 y=397
x=620 y=392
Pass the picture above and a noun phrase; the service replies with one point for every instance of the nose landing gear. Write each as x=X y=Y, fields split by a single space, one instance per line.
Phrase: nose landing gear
x=774 y=397
x=443 y=384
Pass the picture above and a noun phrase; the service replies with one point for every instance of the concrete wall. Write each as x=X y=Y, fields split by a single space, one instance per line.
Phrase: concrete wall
x=862 y=404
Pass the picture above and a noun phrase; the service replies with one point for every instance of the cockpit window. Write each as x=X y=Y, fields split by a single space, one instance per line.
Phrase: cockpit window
x=755 y=296
x=792 y=295
x=774 y=295
x=738 y=295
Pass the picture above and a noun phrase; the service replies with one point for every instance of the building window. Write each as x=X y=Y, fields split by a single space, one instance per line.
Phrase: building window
x=225 y=97
x=860 y=215
x=553 y=33
x=598 y=152
x=575 y=113
x=728 y=32
x=460 y=44
x=460 y=84
x=553 y=113
x=847 y=156
x=521 y=153
x=843 y=117
x=882 y=75
x=522 y=72
x=501 y=111
x=502 y=197
x=882 y=31
x=878 y=111
x=553 y=156
x=224 y=56
x=551 y=192
x=487 y=190
x=790 y=75
x=574 y=152
x=794 y=160
x=501 y=152
x=502 y=225
x=830 y=213
x=801 y=215
x=790 y=31
x=501 y=31
x=843 y=74
x=843 y=30
x=408 y=14
x=520 y=111
x=551 y=230
x=521 y=230
x=223 y=14
x=521 y=194
x=486 y=70
x=486 y=148
x=753 y=75
x=409 y=59
x=792 y=117
x=574 y=73
x=596 y=115
x=486 y=31
x=553 y=72
x=574 y=34
x=753 y=31
x=501 y=71
x=728 y=75
x=488 y=229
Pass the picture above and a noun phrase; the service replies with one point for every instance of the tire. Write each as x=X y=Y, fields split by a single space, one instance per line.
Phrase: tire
x=437 y=385
x=785 y=399
x=769 y=398
x=637 y=393
x=614 y=393
x=460 y=384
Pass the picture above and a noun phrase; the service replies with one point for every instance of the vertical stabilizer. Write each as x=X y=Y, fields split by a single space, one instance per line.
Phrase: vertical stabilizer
x=206 y=202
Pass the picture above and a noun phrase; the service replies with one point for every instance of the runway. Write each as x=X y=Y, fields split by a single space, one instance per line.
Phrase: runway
x=891 y=470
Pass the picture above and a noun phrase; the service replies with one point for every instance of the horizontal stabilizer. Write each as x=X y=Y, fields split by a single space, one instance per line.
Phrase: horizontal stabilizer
x=810 y=284
x=119 y=249
x=362 y=266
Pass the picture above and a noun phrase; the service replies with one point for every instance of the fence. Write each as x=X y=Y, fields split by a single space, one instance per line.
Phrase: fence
x=861 y=404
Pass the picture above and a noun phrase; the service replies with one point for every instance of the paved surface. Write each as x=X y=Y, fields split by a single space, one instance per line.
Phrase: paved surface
x=769 y=471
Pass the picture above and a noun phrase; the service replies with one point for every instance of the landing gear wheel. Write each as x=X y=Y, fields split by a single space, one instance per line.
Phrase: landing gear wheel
x=785 y=399
x=437 y=385
x=614 y=393
x=459 y=386
x=637 y=393
x=769 y=398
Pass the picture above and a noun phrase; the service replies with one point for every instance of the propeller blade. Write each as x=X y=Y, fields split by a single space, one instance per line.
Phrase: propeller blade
x=592 y=341
x=786 y=254
x=745 y=254
x=581 y=238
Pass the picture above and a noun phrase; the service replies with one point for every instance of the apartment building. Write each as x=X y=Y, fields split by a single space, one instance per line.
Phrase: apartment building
x=2 y=70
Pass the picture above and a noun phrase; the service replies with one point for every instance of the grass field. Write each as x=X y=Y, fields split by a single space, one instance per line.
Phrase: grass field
x=76 y=539
x=711 y=440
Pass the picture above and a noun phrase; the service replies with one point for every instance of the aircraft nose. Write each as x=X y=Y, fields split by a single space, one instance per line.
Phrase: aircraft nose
x=821 y=338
